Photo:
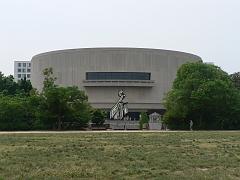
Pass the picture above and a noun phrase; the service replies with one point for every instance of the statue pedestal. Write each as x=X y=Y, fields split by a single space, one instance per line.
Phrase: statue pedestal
x=123 y=124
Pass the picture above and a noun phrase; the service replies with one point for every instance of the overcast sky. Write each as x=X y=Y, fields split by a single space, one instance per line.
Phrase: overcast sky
x=208 y=28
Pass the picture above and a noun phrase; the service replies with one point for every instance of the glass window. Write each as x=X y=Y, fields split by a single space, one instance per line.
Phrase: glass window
x=19 y=70
x=19 y=64
x=23 y=70
x=24 y=64
x=118 y=76
x=28 y=70
x=19 y=75
x=29 y=64
x=24 y=76
x=28 y=76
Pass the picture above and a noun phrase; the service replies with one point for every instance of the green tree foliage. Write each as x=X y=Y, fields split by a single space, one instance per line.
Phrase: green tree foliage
x=16 y=113
x=236 y=79
x=23 y=108
x=98 y=117
x=144 y=119
x=16 y=108
x=204 y=94
x=49 y=79
x=25 y=86
x=9 y=87
x=63 y=105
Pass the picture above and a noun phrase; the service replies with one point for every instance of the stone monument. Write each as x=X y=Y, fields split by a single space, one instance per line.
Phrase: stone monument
x=155 y=122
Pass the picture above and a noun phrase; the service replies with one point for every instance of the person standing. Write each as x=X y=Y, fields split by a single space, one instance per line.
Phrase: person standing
x=191 y=125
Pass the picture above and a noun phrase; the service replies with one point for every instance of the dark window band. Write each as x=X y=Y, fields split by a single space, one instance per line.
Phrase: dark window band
x=118 y=76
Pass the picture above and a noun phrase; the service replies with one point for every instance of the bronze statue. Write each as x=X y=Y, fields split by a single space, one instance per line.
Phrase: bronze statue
x=120 y=109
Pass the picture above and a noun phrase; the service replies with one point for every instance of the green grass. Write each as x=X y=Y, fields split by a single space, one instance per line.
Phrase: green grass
x=167 y=155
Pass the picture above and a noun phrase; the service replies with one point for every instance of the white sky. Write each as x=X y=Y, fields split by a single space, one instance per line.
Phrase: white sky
x=208 y=28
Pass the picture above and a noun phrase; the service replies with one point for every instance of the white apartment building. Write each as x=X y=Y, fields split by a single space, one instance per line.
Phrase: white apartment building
x=22 y=69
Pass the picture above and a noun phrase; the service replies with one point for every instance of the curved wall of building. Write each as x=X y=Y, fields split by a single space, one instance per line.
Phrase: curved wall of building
x=145 y=75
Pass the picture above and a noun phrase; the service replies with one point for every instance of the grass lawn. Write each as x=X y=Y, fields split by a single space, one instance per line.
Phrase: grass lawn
x=115 y=155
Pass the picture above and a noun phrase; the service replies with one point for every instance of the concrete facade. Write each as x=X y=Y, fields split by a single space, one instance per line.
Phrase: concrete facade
x=70 y=68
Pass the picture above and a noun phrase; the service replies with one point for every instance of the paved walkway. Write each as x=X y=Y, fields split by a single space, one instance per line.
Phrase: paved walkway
x=107 y=131
x=72 y=132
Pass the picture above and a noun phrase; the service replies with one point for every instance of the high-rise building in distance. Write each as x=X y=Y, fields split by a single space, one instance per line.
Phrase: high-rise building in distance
x=22 y=69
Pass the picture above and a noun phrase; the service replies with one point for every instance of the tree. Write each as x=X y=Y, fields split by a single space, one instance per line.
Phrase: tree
x=236 y=79
x=98 y=117
x=7 y=85
x=16 y=113
x=23 y=108
x=204 y=94
x=49 y=78
x=144 y=119
x=63 y=104
x=25 y=86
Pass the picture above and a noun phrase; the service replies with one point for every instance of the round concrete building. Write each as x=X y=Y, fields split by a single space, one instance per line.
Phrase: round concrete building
x=145 y=75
